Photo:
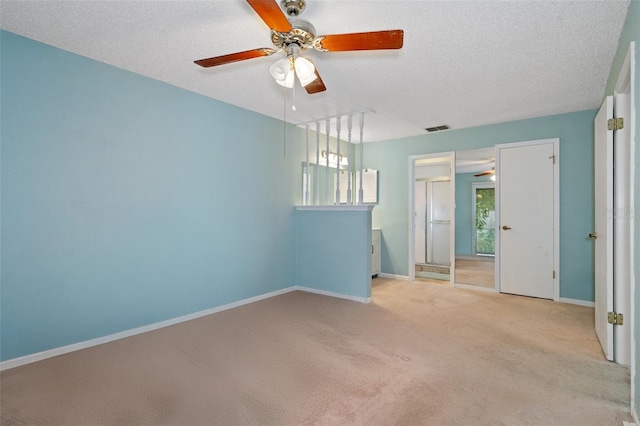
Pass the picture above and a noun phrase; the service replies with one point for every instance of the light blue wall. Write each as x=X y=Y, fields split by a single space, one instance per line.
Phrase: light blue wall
x=575 y=131
x=333 y=251
x=464 y=211
x=631 y=32
x=126 y=201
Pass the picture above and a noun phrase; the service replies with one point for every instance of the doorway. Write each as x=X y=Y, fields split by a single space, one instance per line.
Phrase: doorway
x=479 y=269
x=475 y=219
x=431 y=219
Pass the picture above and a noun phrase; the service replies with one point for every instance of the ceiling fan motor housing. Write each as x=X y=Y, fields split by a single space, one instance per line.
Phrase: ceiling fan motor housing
x=302 y=33
x=293 y=7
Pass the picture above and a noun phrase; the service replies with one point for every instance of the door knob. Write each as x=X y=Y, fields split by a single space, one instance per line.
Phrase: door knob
x=593 y=235
x=505 y=227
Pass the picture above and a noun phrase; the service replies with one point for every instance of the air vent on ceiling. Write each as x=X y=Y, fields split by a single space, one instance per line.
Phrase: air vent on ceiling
x=437 y=128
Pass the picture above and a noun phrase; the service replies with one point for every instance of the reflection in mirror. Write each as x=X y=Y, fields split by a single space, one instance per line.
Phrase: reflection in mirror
x=475 y=218
x=433 y=211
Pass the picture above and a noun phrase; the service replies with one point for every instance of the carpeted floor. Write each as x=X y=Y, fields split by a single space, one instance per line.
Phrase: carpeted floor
x=419 y=354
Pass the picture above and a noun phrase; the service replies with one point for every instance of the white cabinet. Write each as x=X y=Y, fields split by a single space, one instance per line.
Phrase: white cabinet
x=375 y=252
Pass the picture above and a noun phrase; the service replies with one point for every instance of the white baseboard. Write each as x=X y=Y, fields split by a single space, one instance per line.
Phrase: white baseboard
x=393 y=277
x=332 y=294
x=39 y=356
x=475 y=287
x=577 y=302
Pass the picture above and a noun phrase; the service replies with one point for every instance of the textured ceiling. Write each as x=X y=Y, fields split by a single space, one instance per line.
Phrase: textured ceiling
x=463 y=63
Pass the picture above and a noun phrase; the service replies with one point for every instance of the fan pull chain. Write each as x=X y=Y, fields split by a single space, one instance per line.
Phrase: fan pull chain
x=337 y=201
x=306 y=181
x=293 y=94
x=361 y=190
x=349 y=125
x=316 y=175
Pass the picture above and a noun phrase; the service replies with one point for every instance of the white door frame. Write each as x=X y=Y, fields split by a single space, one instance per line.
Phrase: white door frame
x=556 y=208
x=625 y=83
x=622 y=230
x=411 y=197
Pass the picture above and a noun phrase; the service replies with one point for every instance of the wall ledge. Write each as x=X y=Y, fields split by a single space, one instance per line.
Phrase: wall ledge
x=343 y=208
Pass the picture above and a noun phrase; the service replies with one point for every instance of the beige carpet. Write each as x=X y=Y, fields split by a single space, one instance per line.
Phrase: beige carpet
x=420 y=354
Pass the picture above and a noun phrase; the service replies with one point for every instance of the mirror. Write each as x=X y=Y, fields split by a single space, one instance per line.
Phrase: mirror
x=475 y=218
x=433 y=210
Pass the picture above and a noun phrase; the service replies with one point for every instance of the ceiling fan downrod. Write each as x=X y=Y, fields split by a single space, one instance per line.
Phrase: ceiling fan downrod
x=293 y=7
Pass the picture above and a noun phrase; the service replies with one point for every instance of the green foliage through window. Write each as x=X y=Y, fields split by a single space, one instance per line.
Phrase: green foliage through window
x=485 y=211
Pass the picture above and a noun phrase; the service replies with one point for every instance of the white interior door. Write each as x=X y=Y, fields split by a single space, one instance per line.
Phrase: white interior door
x=603 y=232
x=622 y=209
x=420 y=251
x=526 y=188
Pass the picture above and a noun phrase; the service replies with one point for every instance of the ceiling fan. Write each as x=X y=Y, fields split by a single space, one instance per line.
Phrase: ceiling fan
x=294 y=36
x=486 y=172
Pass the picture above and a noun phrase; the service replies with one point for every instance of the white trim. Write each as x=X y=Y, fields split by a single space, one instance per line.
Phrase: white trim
x=359 y=208
x=332 y=294
x=577 y=302
x=634 y=413
x=39 y=356
x=476 y=288
x=393 y=276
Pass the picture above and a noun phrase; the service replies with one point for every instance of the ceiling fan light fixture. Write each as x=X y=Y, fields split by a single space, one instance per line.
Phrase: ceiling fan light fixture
x=306 y=70
x=282 y=73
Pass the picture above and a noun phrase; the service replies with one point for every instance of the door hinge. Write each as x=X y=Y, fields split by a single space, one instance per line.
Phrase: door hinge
x=554 y=275
x=553 y=157
x=615 y=123
x=614 y=318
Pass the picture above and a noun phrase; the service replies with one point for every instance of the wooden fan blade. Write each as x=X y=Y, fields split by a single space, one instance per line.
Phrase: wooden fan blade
x=316 y=86
x=234 y=57
x=375 y=40
x=489 y=172
x=271 y=14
